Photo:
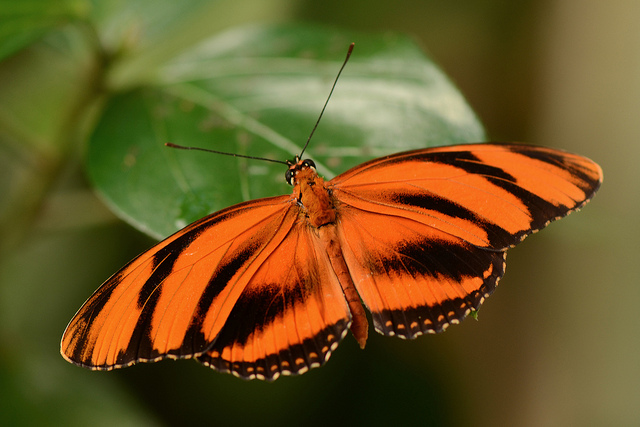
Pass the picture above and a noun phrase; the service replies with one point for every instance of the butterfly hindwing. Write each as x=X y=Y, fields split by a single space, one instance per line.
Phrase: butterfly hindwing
x=425 y=232
x=412 y=277
x=290 y=316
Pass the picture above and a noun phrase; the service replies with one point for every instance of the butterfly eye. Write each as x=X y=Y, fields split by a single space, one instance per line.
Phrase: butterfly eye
x=309 y=164
x=288 y=176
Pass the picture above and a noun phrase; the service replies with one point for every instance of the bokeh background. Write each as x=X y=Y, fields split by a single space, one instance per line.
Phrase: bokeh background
x=556 y=345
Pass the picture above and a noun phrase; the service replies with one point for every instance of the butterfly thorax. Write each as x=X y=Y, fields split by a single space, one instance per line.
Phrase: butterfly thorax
x=314 y=197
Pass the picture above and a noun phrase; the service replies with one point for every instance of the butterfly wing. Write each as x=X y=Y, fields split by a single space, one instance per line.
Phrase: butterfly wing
x=425 y=233
x=175 y=300
x=289 y=318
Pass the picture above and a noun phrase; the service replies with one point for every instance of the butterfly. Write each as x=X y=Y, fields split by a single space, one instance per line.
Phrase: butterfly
x=271 y=286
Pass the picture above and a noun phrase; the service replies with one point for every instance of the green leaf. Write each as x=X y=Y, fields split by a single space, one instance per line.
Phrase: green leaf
x=24 y=21
x=258 y=91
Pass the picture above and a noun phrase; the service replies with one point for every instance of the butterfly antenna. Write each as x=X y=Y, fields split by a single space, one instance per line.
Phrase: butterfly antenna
x=182 y=147
x=329 y=97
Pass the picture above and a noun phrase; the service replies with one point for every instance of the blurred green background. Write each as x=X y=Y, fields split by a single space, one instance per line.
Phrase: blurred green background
x=556 y=345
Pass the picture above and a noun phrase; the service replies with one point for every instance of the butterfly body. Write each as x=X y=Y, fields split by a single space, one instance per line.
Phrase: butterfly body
x=319 y=209
x=271 y=286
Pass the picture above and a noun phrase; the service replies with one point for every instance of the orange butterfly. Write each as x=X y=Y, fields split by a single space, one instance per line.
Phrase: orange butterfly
x=271 y=286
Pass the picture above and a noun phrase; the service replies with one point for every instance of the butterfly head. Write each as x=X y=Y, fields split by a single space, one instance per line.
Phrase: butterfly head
x=296 y=166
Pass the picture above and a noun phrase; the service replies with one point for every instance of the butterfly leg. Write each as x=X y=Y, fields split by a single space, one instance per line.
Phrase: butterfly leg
x=359 y=326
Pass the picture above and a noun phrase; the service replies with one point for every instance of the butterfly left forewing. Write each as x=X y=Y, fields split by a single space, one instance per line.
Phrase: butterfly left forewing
x=171 y=301
x=424 y=233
